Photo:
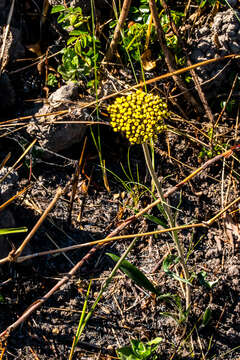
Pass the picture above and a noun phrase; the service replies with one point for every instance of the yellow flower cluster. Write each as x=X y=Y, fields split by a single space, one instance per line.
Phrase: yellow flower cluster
x=139 y=115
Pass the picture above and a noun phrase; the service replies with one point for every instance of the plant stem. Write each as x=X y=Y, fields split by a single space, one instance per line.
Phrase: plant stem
x=170 y=220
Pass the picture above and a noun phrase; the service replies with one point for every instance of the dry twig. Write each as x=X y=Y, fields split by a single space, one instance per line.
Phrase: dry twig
x=117 y=31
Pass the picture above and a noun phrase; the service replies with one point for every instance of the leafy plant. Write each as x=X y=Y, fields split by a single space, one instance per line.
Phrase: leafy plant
x=52 y=80
x=139 y=350
x=180 y=315
x=203 y=3
x=173 y=260
x=204 y=282
x=209 y=153
x=171 y=39
x=134 y=32
x=79 y=58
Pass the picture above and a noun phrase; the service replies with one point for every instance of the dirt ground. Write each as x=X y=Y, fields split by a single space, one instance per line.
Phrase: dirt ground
x=125 y=311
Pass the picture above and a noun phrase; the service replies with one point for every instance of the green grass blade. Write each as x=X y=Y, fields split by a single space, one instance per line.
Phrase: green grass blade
x=9 y=231
x=134 y=274
x=78 y=333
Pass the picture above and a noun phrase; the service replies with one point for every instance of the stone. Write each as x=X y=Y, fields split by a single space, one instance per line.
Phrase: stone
x=57 y=137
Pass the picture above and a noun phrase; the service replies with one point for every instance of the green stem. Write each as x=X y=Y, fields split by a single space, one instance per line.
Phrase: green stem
x=170 y=220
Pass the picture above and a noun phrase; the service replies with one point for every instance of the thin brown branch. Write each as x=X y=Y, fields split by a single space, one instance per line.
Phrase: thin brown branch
x=192 y=71
x=168 y=56
x=117 y=31
x=39 y=302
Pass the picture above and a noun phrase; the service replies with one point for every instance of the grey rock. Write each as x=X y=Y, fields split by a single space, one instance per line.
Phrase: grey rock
x=233 y=270
x=66 y=92
x=217 y=25
x=57 y=137
x=225 y=27
x=233 y=27
x=13 y=49
x=225 y=30
x=204 y=46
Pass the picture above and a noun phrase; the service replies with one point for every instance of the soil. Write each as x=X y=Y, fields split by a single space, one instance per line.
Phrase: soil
x=126 y=311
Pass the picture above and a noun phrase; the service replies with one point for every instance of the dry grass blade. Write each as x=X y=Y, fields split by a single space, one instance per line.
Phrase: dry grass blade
x=108 y=240
x=4 y=335
x=5 y=160
x=128 y=221
x=14 y=197
x=147 y=82
x=5 y=37
x=39 y=302
x=19 y=159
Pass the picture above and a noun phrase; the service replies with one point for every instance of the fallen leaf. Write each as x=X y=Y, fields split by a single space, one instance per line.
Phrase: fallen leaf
x=147 y=62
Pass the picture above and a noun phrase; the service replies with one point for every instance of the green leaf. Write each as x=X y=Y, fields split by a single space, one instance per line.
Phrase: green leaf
x=206 y=317
x=134 y=274
x=8 y=231
x=170 y=260
x=75 y=33
x=202 y=279
x=155 y=341
x=58 y=8
x=156 y=220
x=52 y=80
x=139 y=350
x=72 y=40
x=126 y=353
x=72 y=19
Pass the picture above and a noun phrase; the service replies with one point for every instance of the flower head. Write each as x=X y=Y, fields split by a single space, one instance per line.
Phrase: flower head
x=139 y=115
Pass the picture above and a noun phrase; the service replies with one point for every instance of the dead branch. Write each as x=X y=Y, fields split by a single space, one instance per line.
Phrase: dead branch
x=168 y=56
x=117 y=31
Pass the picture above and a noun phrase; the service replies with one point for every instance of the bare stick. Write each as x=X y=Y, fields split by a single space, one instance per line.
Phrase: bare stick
x=193 y=73
x=168 y=56
x=117 y=31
